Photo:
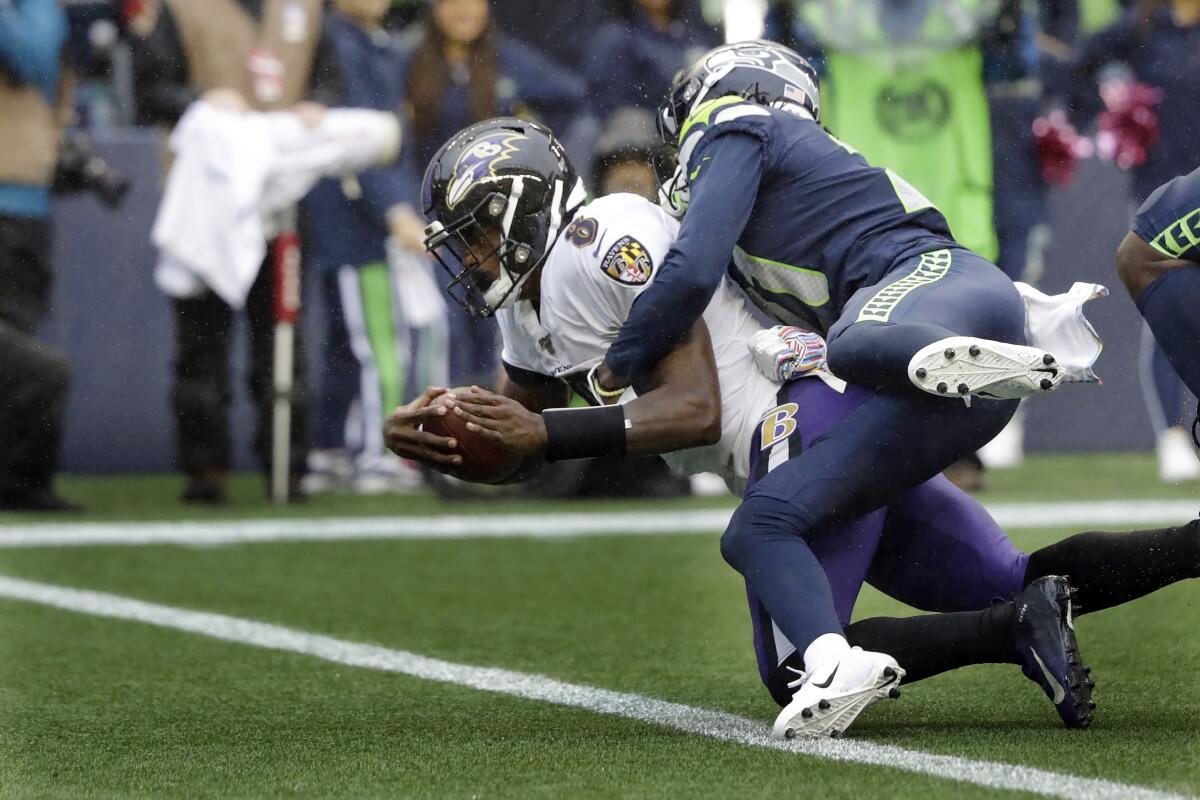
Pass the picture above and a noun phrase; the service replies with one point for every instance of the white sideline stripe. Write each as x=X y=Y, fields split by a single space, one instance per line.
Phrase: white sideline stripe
x=532 y=526
x=702 y=722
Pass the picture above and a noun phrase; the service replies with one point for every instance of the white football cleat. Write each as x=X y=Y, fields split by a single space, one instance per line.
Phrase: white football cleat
x=827 y=703
x=961 y=366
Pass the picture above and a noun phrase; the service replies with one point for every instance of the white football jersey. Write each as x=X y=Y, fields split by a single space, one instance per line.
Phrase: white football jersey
x=602 y=261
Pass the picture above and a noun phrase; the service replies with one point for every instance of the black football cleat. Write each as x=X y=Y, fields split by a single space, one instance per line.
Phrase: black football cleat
x=1044 y=633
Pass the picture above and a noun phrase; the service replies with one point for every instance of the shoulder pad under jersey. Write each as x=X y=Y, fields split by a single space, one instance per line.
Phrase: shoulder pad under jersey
x=729 y=113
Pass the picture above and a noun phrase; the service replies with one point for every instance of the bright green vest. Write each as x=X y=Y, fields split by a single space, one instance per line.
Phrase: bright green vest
x=917 y=108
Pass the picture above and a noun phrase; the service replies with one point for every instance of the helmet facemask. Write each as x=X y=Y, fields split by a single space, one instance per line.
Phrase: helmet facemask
x=497 y=228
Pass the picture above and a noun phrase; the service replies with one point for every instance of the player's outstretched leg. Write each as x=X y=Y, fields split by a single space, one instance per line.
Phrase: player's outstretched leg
x=764 y=543
x=949 y=323
x=1109 y=569
x=1035 y=630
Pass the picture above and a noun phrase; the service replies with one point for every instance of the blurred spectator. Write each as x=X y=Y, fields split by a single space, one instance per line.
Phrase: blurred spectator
x=629 y=156
x=237 y=55
x=631 y=60
x=34 y=99
x=560 y=30
x=365 y=291
x=1159 y=43
x=461 y=70
x=401 y=14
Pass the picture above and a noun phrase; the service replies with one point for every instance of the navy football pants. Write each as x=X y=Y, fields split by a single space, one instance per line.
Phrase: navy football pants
x=803 y=534
x=951 y=292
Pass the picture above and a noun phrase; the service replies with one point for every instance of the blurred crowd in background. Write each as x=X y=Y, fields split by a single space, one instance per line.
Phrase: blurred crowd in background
x=976 y=102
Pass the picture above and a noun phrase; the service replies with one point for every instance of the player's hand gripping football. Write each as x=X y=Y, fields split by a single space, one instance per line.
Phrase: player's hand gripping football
x=402 y=434
x=502 y=420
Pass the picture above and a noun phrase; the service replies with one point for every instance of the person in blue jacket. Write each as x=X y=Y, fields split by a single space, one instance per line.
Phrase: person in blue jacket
x=637 y=53
x=350 y=224
x=33 y=376
x=458 y=69
x=823 y=240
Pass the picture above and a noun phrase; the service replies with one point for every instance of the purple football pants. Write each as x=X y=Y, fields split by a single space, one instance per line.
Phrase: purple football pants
x=935 y=549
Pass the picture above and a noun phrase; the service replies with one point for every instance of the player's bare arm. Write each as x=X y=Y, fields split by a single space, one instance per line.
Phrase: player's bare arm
x=1139 y=264
x=678 y=407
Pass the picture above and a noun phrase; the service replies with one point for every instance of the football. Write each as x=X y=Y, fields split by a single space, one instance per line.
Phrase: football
x=484 y=461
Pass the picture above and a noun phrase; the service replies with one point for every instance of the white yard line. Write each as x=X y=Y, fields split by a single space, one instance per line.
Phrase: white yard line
x=1101 y=514
x=697 y=721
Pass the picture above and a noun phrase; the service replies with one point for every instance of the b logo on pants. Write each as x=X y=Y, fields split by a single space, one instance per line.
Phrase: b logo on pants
x=778 y=424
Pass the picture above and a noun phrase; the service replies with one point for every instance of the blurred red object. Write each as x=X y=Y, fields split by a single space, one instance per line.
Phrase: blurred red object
x=1059 y=147
x=131 y=9
x=1128 y=127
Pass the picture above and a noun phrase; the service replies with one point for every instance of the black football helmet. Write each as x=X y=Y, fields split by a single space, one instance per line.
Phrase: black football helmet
x=762 y=72
x=507 y=174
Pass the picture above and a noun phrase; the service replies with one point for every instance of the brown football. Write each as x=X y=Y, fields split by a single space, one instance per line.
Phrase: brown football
x=484 y=461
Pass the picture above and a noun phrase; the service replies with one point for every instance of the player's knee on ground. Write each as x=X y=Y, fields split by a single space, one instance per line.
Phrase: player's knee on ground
x=1135 y=267
x=755 y=520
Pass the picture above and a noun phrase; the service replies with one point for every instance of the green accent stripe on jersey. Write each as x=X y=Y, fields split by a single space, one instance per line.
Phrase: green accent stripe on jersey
x=1186 y=229
x=810 y=286
x=375 y=286
x=704 y=113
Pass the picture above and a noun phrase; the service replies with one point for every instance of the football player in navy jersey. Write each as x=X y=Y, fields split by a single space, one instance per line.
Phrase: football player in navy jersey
x=822 y=239
x=1159 y=263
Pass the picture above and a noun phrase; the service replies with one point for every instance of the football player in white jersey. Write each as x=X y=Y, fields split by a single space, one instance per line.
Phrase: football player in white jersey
x=511 y=227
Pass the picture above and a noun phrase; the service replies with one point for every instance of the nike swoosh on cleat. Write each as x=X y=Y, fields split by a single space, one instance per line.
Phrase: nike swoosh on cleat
x=829 y=680
x=1059 y=694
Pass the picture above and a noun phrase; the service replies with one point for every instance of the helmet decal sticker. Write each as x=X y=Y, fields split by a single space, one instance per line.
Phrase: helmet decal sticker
x=479 y=161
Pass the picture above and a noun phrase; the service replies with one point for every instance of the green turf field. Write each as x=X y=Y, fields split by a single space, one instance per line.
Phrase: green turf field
x=98 y=707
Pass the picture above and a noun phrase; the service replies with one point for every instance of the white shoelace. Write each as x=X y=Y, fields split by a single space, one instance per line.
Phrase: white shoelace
x=801 y=677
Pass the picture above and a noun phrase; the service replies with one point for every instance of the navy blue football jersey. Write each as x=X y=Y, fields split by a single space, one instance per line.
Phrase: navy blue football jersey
x=824 y=223
x=1169 y=220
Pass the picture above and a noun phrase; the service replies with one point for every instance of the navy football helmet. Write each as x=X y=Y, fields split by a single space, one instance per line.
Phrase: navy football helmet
x=762 y=72
x=507 y=174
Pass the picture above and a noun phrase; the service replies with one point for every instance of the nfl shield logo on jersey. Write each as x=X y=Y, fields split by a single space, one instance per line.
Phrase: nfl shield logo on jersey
x=628 y=262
